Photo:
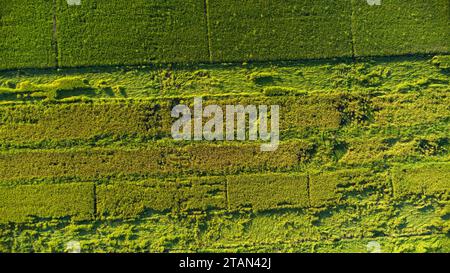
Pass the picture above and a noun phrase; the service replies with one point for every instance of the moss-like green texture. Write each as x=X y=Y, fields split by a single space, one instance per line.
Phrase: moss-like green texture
x=86 y=155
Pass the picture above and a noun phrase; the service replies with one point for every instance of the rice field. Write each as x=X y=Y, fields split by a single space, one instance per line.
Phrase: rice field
x=87 y=155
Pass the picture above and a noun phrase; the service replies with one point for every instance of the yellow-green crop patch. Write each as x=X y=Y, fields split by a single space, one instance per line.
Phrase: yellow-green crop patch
x=34 y=123
x=62 y=123
x=154 y=160
x=423 y=179
x=347 y=186
x=149 y=119
x=132 y=199
x=28 y=202
x=267 y=191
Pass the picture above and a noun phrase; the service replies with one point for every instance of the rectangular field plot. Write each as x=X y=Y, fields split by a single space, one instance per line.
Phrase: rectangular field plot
x=22 y=203
x=279 y=30
x=80 y=121
x=426 y=179
x=114 y=32
x=32 y=124
x=26 y=33
x=297 y=113
x=130 y=199
x=271 y=191
x=149 y=160
x=347 y=186
x=398 y=27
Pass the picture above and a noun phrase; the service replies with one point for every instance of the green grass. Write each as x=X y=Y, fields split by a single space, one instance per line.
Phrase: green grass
x=399 y=116
x=347 y=229
x=376 y=74
x=39 y=123
x=352 y=186
x=150 y=119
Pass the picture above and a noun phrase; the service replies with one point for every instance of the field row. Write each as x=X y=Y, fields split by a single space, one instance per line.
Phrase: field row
x=388 y=74
x=158 y=159
x=61 y=123
x=151 y=119
x=255 y=192
x=97 y=32
x=395 y=227
x=170 y=158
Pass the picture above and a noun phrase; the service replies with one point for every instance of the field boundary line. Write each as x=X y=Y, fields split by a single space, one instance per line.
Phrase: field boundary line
x=55 y=33
x=390 y=179
x=352 y=29
x=308 y=189
x=94 y=192
x=227 y=199
x=208 y=29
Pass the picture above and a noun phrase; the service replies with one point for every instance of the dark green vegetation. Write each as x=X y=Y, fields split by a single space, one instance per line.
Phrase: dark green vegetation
x=86 y=155
x=398 y=27
x=116 y=32
x=279 y=30
x=26 y=34
x=42 y=33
